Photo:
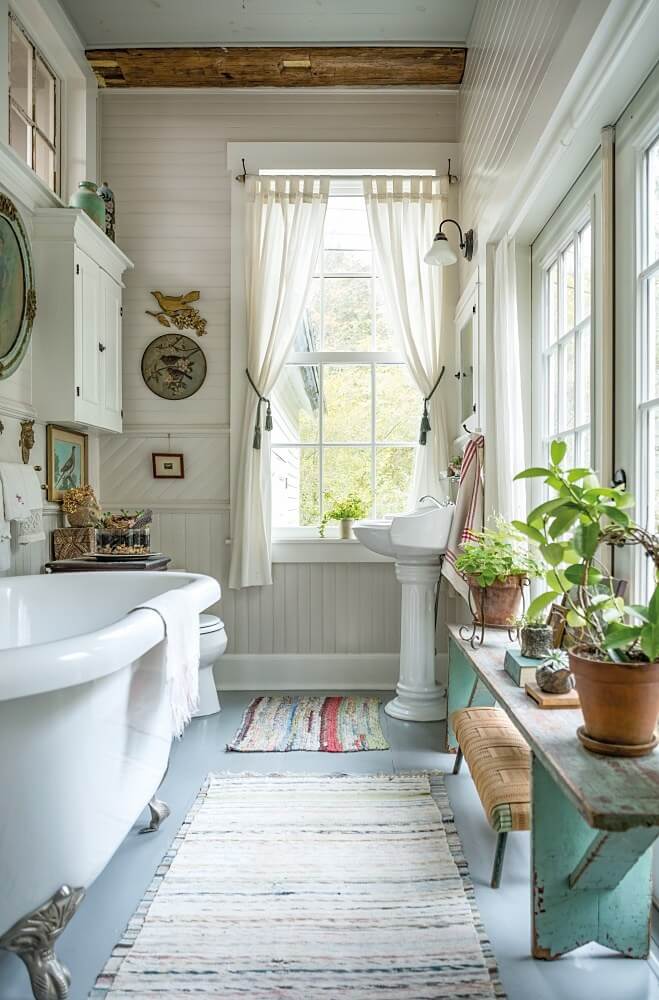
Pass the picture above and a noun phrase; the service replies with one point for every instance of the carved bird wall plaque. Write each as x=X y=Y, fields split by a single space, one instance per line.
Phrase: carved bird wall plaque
x=177 y=311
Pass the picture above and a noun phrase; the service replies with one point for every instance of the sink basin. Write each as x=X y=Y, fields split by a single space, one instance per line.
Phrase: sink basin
x=416 y=542
x=421 y=535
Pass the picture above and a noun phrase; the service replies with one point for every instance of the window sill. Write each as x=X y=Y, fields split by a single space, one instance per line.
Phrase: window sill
x=23 y=184
x=327 y=550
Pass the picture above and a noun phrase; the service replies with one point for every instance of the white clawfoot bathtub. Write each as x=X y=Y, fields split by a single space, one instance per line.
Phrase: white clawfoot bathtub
x=85 y=736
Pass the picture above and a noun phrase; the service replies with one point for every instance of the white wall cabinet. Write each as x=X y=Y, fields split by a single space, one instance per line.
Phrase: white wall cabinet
x=77 y=334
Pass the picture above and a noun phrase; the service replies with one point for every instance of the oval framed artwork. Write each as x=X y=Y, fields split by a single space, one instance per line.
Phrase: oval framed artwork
x=174 y=366
x=18 y=300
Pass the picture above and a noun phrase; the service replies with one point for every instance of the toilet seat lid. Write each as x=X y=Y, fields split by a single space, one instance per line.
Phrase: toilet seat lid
x=210 y=623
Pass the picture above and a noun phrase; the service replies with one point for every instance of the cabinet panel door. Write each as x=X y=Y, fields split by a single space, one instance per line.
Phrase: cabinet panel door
x=88 y=383
x=111 y=356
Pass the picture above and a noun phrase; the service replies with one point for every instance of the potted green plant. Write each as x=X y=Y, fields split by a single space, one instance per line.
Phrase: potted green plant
x=346 y=512
x=496 y=566
x=535 y=635
x=613 y=647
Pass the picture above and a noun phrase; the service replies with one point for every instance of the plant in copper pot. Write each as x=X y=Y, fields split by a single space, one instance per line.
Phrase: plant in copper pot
x=613 y=647
x=497 y=564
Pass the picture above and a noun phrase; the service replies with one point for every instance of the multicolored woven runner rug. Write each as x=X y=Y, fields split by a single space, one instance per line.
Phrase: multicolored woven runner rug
x=285 y=722
x=312 y=888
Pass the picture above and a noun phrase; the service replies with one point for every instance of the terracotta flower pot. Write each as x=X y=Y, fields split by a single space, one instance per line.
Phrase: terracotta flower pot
x=499 y=603
x=620 y=701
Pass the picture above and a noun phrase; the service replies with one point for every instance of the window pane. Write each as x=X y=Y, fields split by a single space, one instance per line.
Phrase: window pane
x=295 y=405
x=20 y=136
x=44 y=161
x=295 y=487
x=568 y=289
x=552 y=294
x=583 y=388
x=585 y=238
x=551 y=388
x=653 y=336
x=653 y=519
x=653 y=203
x=397 y=404
x=347 y=402
x=347 y=314
x=385 y=339
x=583 y=448
x=394 y=468
x=566 y=416
x=307 y=337
x=20 y=75
x=346 y=225
x=44 y=100
x=345 y=471
x=347 y=261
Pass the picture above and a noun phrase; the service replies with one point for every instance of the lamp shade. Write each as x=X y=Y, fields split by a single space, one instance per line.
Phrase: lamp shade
x=440 y=253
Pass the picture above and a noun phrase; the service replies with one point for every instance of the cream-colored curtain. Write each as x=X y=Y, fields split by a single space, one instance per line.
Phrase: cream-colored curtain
x=284 y=227
x=404 y=214
x=505 y=446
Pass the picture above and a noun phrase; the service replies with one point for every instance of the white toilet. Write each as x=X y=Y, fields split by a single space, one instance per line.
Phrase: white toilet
x=213 y=642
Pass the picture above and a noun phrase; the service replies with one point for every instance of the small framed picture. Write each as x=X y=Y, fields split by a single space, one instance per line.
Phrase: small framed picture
x=168 y=466
x=66 y=461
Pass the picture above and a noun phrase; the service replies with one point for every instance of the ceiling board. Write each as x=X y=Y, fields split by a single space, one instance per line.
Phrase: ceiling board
x=278 y=67
x=119 y=23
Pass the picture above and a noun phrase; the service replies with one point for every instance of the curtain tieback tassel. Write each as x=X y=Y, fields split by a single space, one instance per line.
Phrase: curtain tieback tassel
x=256 y=442
x=425 y=421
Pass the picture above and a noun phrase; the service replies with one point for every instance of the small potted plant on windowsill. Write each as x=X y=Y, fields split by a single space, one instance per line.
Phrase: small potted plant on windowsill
x=496 y=566
x=535 y=635
x=613 y=648
x=346 y=512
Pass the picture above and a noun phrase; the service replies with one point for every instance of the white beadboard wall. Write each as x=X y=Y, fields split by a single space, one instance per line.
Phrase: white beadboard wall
x=164 y=155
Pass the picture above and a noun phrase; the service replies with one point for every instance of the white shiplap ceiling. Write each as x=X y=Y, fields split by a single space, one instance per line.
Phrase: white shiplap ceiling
x=118 y=23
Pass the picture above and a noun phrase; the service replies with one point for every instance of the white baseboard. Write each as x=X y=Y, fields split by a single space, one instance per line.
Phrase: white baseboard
x=311 y=671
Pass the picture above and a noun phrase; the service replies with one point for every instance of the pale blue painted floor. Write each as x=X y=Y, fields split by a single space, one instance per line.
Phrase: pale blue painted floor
x=86 y=944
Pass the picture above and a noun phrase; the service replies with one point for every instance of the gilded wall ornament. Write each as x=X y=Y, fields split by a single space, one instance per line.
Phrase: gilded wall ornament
x=176 y=311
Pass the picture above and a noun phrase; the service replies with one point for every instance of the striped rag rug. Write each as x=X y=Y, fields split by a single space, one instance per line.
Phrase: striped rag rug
x=278 y=723
x=309 y=887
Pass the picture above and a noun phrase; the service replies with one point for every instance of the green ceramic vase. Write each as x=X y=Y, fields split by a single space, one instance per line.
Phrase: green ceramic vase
x=90 y=202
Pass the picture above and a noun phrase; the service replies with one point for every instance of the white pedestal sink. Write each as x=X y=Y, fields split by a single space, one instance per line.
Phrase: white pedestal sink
x=416 y=542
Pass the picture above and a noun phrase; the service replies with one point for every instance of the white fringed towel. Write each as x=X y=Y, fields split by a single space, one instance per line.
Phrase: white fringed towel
x=468 y=516
x=22 y=498
x=181 y=653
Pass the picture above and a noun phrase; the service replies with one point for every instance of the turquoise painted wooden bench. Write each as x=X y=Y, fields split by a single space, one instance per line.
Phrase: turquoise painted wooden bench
x=594 y=819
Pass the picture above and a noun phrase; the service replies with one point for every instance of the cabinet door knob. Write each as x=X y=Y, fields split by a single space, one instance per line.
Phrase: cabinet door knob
x=101 y=347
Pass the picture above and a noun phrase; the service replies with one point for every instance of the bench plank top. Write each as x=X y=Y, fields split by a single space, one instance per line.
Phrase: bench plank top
x=611 y=793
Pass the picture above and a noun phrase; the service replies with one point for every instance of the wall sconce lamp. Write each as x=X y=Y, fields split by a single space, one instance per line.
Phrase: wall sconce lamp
x=440 y=253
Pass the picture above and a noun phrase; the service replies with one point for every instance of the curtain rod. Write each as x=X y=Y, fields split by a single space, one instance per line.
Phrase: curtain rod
x=452 y=179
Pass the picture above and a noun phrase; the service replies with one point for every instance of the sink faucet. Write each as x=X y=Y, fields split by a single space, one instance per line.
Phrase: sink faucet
x=429 y=496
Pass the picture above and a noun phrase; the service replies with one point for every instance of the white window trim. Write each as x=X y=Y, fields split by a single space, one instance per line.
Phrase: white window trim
x=323 y=157
x=581 y=204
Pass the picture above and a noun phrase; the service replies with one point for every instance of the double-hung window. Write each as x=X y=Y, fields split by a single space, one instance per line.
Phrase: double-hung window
x=32 y=106
x=566 y=343
x=647 y=291
x=346 y=413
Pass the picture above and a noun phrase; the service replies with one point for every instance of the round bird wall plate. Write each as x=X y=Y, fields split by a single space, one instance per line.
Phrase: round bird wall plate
x=174 y=366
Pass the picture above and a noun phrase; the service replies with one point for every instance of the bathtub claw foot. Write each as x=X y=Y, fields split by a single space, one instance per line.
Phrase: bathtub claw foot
x=159 y=812
x=33 y=938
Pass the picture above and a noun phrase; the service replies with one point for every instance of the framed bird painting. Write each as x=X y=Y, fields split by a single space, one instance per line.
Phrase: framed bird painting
x=66 y=461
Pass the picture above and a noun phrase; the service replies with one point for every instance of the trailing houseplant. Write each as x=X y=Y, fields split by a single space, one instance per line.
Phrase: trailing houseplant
x=496 y=564
x=346 y=511
x=613 y=647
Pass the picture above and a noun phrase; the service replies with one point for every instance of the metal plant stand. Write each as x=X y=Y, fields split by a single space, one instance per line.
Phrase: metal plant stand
x=33 y=939
x=474 y=633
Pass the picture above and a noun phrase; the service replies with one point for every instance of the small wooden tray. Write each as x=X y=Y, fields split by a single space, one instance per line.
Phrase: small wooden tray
x=546 y=700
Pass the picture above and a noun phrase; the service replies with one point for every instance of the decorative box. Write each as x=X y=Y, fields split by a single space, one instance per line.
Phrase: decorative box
x=521 y=668
x=70 y=543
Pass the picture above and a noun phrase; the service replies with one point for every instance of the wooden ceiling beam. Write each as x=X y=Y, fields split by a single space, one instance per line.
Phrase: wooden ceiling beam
x=363 y=66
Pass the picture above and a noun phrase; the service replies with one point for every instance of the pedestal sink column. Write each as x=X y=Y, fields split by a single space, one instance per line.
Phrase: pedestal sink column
x=418 y=697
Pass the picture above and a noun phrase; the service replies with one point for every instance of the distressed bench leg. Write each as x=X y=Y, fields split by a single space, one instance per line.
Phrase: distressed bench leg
x=458 y=762
x=462 y=689
x=567 y=916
